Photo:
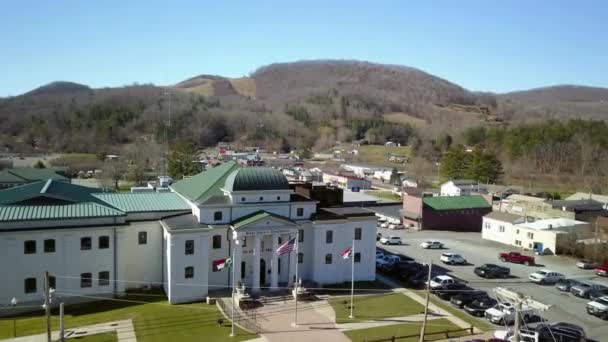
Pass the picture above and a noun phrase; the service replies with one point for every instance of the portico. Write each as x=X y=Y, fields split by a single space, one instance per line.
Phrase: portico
x=255 y=238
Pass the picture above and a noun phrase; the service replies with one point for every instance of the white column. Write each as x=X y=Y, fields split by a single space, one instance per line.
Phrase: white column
x=274 y=276
x=293 y=258
x=255 y=287
x=237 y=259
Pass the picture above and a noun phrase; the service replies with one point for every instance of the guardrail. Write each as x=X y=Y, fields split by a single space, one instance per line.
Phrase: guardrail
x=245 y=319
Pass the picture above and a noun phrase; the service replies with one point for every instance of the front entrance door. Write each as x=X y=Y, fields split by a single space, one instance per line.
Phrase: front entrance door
x=262 y=272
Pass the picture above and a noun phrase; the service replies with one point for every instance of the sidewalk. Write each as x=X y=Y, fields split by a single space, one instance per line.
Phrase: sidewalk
x=124 y=332
x=384 y=322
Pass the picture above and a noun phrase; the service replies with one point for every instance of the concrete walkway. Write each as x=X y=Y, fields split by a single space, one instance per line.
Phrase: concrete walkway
x=124 y=332
x=384 y=322
x=315 y=322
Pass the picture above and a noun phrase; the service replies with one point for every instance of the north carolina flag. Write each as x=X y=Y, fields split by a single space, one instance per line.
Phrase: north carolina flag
x=347 y=253
x=219 y=264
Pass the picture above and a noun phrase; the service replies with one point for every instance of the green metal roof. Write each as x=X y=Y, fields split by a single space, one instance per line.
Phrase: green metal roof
x=200 y=187
x=144 y=202
x=255 y=217
x=256 y=178
x=456 y=202
x=30 y=174
x=53 y=212
x=49 y=189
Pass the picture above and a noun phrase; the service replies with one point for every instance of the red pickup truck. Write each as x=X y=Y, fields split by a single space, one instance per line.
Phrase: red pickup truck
x=602 y=270
x=516 y=258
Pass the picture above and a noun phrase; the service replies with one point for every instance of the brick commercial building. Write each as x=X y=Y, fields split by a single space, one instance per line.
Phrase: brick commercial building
x=455 y=213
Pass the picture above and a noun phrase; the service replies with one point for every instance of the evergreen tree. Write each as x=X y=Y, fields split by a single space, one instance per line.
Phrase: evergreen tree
x=454 y=163
x=40 y=165
x=182 y=161
x=395 y=179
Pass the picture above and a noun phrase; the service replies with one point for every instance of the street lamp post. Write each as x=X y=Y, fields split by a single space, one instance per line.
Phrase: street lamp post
x=14 y=304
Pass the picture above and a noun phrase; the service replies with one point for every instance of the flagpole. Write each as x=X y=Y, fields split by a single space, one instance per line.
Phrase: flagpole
x=233 y=299
x=352 y=281
x=295 y=323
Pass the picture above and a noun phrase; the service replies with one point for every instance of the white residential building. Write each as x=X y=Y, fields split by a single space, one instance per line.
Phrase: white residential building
x=462 y=187
x=547 y=236
x=101 y=244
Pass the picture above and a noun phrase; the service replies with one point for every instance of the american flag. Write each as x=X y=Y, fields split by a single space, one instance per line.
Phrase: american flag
x=287 y=247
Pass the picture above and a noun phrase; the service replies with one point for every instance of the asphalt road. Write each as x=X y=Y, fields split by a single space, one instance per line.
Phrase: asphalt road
x=565 y=307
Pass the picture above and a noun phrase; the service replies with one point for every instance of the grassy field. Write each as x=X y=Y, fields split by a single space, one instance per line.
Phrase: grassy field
x=406 y=329
x=377 y=154
x=403 y=118
x=387 y=195
x=375 y=307
x=155 y=320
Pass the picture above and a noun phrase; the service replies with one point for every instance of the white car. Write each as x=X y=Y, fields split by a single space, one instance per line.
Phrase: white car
x=441 y=281
x=599 y=307
x=390 y=240
x=384 y=225
x=504 y=313
x=395 y=226
x=452 y=259
x=546 y=277
x=431 y=244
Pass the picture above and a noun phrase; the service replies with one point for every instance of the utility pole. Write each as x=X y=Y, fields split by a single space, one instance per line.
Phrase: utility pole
x=47 y=305
x=426 y=305
x=517 y=318
x=595 y=240
x=61 y=323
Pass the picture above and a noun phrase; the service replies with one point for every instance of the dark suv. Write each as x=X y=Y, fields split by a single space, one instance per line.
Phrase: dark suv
x=478 y=307
x=448 y=291
x=464 y=298
x=560 y=332
x=492 y=271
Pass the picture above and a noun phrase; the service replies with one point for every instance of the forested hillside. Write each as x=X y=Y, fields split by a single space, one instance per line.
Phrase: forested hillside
x=285 y=106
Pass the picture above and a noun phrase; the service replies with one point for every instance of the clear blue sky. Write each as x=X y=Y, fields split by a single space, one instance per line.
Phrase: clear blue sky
x=481 y=45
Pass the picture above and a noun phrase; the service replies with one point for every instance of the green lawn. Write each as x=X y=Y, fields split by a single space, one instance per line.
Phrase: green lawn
x=103 y=337
x=406 y=329
x=155 y=320
x=479 y=323
x=375 y=307
x=377 y=154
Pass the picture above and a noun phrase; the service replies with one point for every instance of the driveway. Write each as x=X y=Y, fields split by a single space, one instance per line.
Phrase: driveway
x=565 y=307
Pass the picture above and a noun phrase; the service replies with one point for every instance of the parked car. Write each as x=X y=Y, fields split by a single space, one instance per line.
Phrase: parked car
x=587 y=264
x=395 y=226
x=478 y=307
x=448 y=291
x=453 y=259
x=386 y=261
x=597 y=293
x=556 y=332
x=384 y=225
x=431 y=244
x=599 y=308
x=390 y=240
x=517 y=258
x=566 y=284
x=464 y=298
x=602 y=271
x=440 y=281
x=584 y=290
x=545 y=277
x=492 y=271
x=378 y=236
x=379 y=253
x=504 y=313
x=420 y=278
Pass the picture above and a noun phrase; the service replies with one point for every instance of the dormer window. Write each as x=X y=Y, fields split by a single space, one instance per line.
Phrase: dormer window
x=217 y=216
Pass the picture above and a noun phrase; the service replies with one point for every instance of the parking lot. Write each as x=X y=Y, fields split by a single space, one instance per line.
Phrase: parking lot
x=565 y=307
